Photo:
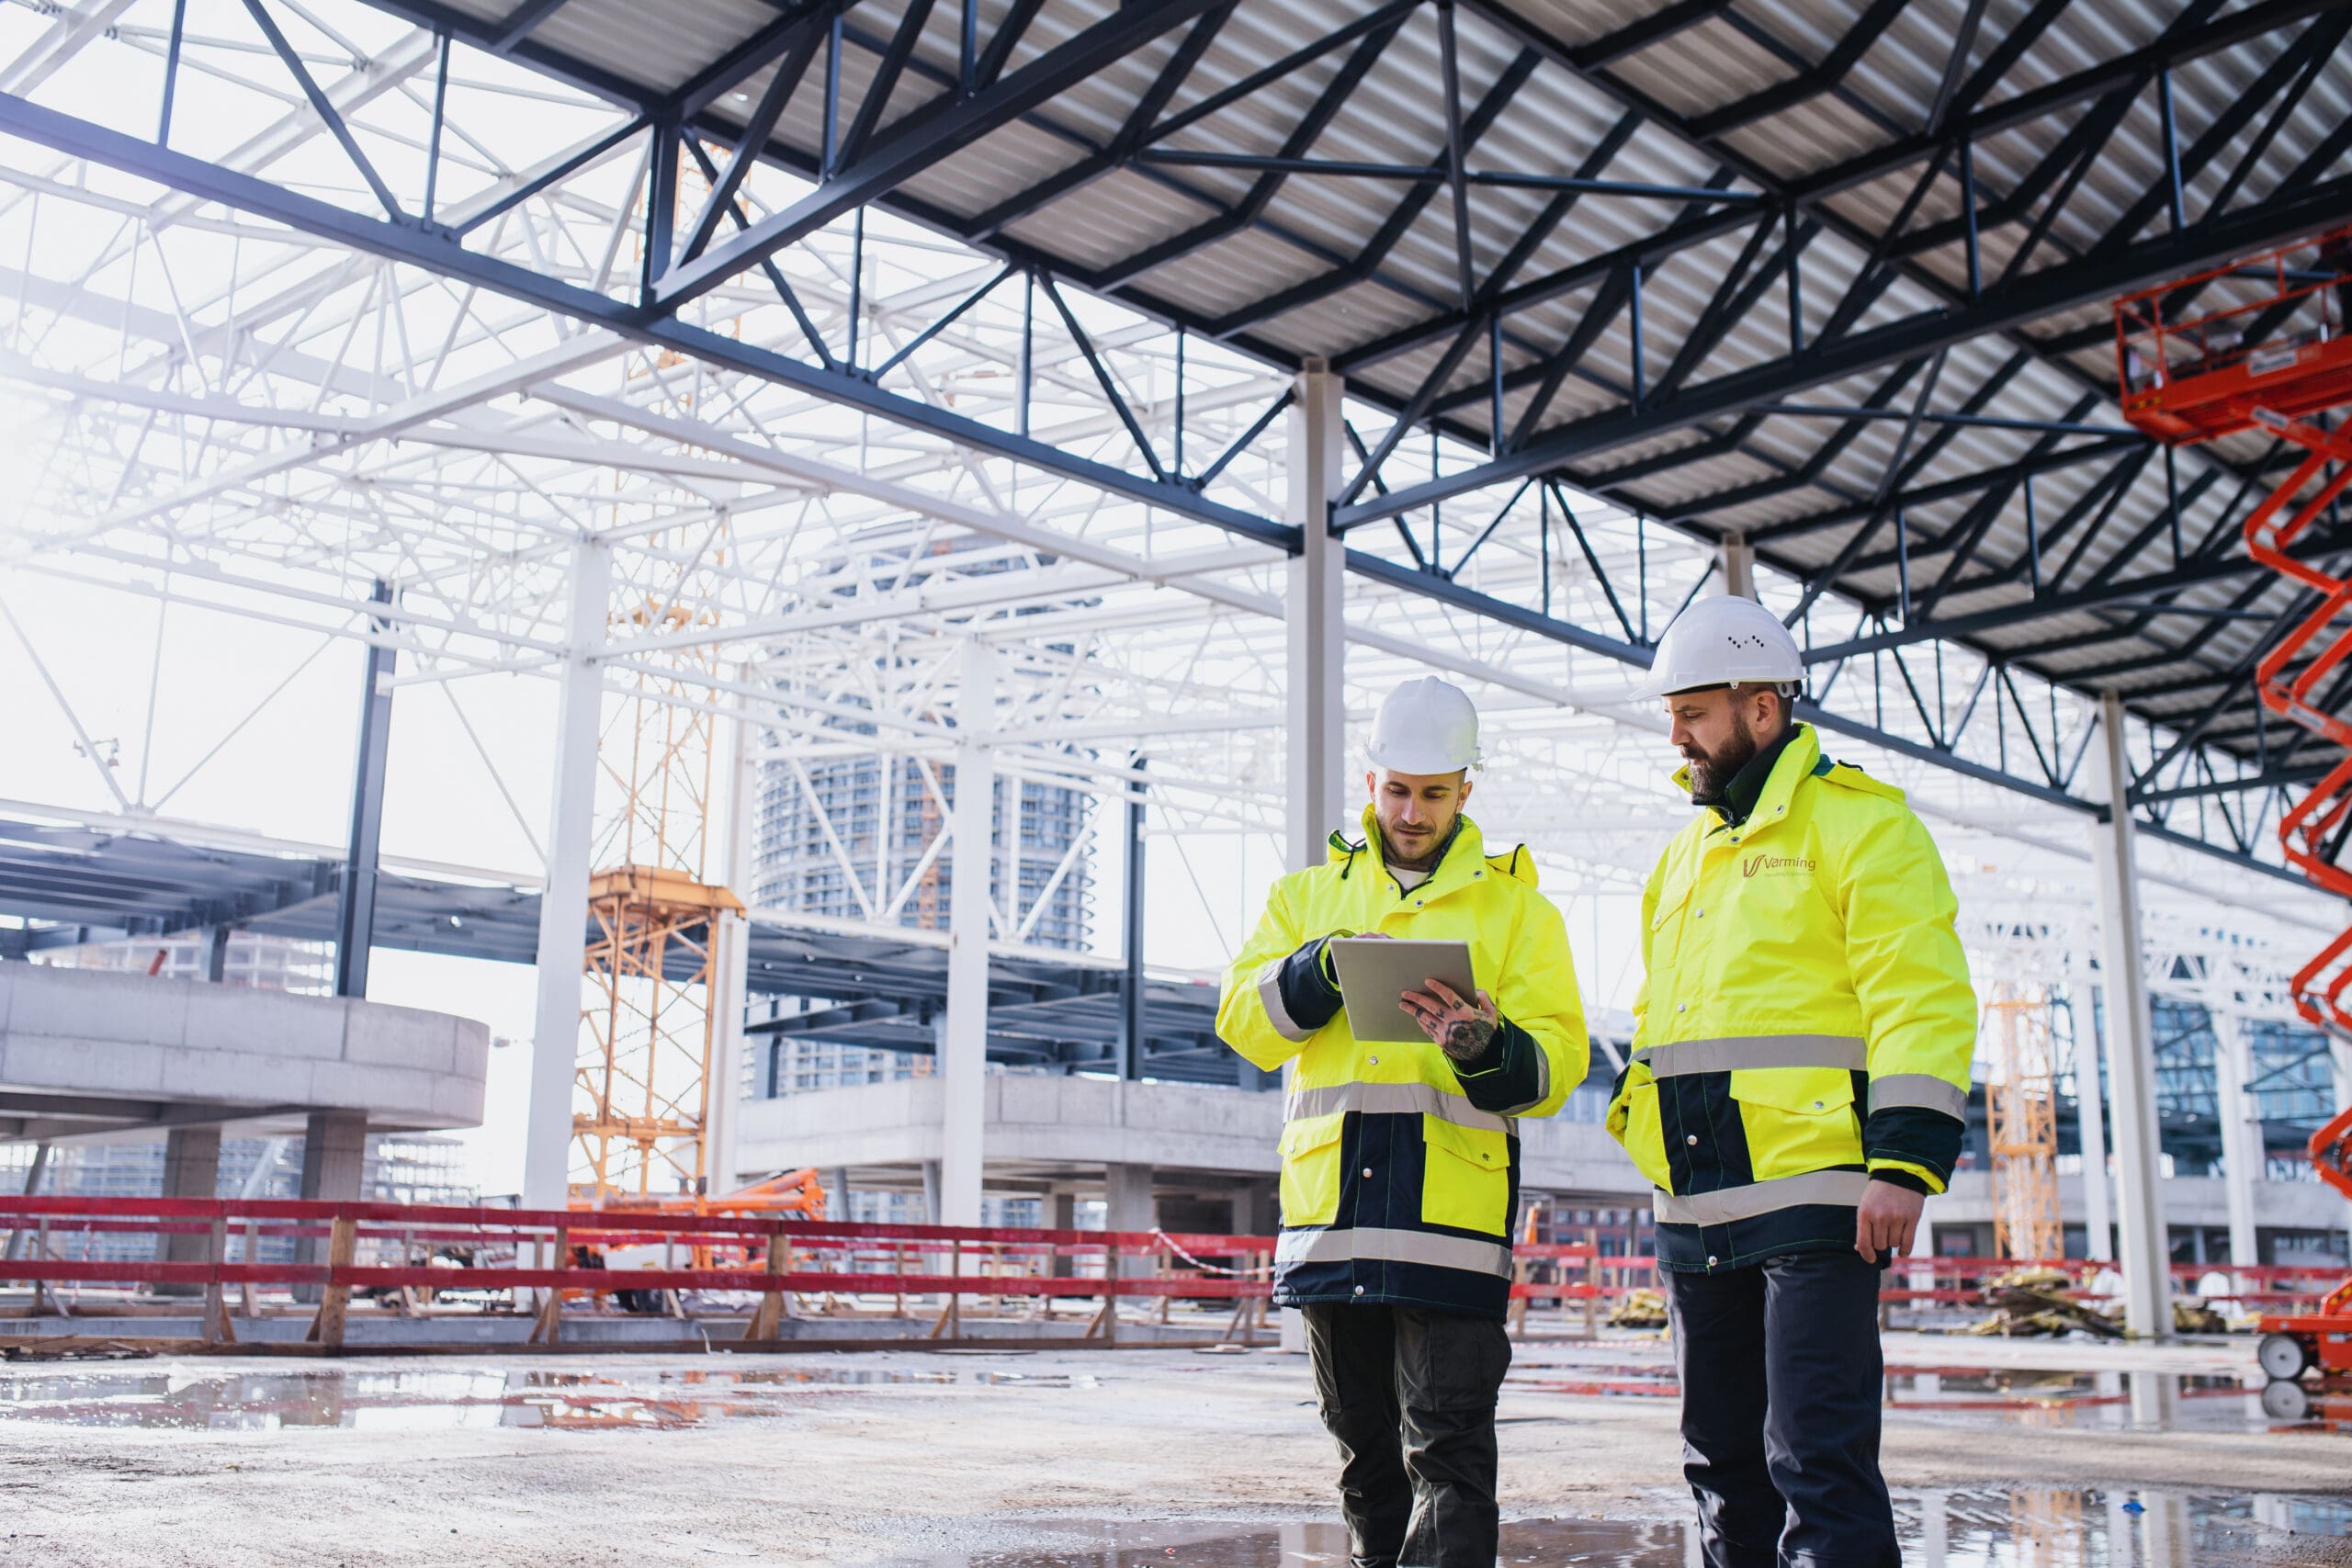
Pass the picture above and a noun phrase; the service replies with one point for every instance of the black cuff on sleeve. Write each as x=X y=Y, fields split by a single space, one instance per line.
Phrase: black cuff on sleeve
x=1903 y=1178
x=1927 y=1138
x=1504 y=1076
x=1309 y=995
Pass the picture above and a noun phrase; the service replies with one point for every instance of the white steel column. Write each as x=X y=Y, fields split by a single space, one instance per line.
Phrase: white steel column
x=2091 y=1112
x=963 y=1034
x=1739 y=565
x=1316 y=623
x=731 y=955
x=2242 y=1154
x=1315 y=616
x=563 y=899
x=2130 y=1052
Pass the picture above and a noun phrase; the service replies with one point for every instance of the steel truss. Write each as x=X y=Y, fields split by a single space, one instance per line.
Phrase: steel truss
x=455 y=344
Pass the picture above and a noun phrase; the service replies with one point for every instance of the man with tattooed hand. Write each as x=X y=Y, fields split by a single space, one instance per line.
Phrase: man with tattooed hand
x=1401 y=1161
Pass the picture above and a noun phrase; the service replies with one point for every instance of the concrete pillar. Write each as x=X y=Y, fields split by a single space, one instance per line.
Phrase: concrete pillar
x=563 y=956
x=191 y=1169
x=1316 y=623
x=730 y=962
x=837 y=1203
x=1061 y=1214
x=335 y=1159
x=964 y=1032
x=1128 y=1205
x=931 y=1192
x=2091 y=1107
x=2242 y=1153
x=216 y=953
x=334 y=1156
x=1739 y=565
x=2131 y=1036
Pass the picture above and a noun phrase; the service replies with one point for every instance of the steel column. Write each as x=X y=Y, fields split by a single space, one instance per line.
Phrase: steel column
x=2241 y=1152
x=355 y=915
x=1317 y=622
x=2147 y=1311
x=731 y=958
x=1132 y=1042
x=2090 y=1120
x=964 y=1033
x=562 y=953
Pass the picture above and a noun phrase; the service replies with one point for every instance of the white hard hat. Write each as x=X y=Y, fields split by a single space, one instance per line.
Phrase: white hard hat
x=1425 y=727
x=1723 y=641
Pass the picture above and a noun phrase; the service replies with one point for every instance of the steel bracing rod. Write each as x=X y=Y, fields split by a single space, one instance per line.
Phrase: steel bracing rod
x=324 y=107
x=1598 y=432
x=922 y=136
x=78 y=138
x=781 y=85
x=2066 y=286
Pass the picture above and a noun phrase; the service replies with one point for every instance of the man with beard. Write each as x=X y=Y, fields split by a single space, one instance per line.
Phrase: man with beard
x=1400 y=1160
x=1798 y=1086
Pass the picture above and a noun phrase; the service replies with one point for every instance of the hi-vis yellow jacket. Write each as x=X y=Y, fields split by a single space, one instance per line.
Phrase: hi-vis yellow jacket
x=1401 y=1170
x=1805 y=1022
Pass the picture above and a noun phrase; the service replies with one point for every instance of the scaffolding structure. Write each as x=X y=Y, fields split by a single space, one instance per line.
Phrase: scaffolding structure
x=2022 y=1124
x=651 y=1025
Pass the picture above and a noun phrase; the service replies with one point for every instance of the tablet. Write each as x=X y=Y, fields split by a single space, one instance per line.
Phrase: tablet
x=1374 y=972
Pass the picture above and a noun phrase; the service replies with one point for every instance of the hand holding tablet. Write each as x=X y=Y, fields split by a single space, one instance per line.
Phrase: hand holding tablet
x=1376 y=973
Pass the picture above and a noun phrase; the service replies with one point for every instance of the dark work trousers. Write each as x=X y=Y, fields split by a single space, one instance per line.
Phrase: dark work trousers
x=1780 y=1386
x=1409 y=1395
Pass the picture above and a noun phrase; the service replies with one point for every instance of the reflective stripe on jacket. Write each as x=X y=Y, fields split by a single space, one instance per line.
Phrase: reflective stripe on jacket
x=1805 y=1021
x=1401 y=1171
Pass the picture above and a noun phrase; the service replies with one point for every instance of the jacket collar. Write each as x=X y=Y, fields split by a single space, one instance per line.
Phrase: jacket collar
x=1799 y=757
x=1464 y=854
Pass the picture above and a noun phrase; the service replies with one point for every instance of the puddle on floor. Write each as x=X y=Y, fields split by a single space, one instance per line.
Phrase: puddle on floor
x=2028 y=1527
x=2020 y=1396
x=440 y=1398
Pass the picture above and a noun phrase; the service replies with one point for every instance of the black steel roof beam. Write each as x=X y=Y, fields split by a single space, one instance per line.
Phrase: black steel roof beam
x=1402 y=217
x=770 y=43
x=2074 y=155
x=1302 y=136
x=2053 y=289
x=1076 y=176
x=2182 y=42
x=1963 y=629
x=1007 y=38
x=885 y=82
x=923 y=136
x=1781 y=95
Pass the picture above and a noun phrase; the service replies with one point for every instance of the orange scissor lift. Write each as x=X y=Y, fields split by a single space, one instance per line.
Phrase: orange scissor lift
x=2186 y=379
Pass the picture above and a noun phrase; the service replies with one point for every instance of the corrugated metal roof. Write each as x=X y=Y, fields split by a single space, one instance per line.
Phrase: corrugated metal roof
x=1313 y=225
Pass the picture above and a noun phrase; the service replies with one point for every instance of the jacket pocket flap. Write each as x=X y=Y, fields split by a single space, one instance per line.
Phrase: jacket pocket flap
x=1801 y=1091
x=1483 y=1147
x=1312 y=1133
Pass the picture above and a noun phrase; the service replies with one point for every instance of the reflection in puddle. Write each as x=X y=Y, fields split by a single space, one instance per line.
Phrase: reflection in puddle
x=440 y=1398
x=2043 y=1527
x=2092 y=1400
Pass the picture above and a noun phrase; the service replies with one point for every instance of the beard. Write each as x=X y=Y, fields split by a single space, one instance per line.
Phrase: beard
x=1416 y=852
x=1711 y=772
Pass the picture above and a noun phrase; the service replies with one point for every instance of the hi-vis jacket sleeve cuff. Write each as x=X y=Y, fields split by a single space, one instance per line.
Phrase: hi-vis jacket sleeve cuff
x=1899 y=1174
x=1511 y=1075
x=1927 y=1141
x=1299 y=998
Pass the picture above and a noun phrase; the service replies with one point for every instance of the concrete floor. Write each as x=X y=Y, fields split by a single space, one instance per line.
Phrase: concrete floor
x=1127 y=1456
